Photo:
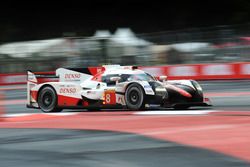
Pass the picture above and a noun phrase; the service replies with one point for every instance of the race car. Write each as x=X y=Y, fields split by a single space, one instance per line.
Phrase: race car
x=111 y=86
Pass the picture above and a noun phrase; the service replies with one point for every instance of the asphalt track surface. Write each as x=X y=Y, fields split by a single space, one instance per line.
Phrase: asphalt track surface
x=64 y=148
x=53 y=147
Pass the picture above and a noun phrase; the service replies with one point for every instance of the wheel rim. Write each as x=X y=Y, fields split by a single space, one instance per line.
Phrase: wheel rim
x=134 y=97
x=47 y=99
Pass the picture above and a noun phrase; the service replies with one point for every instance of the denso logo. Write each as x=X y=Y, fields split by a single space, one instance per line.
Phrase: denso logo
x=67 y=90
x=72 y=76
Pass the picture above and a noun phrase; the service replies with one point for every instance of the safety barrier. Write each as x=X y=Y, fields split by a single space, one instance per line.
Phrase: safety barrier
x=20 y=78
x=2 y=109
x=240 y=70
x=202 y=71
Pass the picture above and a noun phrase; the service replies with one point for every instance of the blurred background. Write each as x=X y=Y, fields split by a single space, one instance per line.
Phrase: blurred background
x=124 y=46
x=144 y=34
x=208 y=41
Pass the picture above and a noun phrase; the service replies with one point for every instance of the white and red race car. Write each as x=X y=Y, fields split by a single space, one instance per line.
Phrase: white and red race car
x=111 y=86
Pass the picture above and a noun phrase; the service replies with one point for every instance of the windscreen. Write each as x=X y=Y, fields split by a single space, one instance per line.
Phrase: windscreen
x=136 y=77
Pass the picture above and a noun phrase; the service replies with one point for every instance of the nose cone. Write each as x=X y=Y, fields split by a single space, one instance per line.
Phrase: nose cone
x=181 y=90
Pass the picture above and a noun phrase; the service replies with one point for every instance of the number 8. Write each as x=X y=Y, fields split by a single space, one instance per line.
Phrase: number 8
x=107 y=98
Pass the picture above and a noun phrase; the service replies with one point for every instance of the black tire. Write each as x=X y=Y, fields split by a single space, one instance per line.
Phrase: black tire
x=134 y=97
x=47 y=100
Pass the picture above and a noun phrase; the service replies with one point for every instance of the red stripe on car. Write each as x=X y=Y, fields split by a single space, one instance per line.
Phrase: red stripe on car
x=179 y=90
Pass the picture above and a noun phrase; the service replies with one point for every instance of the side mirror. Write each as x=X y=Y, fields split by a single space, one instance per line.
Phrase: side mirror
x=116 y=79
x=163 y=78
x=98 y=86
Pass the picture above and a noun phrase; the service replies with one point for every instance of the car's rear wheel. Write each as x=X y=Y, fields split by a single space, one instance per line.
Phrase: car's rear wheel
x=47 y=100
x=135 y=97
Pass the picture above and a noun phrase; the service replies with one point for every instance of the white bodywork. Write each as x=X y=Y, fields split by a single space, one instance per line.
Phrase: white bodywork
x=77 y=85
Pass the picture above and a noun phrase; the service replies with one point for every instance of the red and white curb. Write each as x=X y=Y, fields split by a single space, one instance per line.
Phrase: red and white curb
x=31 y=114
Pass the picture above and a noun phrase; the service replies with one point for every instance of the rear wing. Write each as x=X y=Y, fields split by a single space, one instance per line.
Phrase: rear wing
x=34 y=79
x=40 y=77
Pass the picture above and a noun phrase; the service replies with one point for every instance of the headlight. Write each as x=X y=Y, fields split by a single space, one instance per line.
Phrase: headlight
x=197 y=86
x=160 y=91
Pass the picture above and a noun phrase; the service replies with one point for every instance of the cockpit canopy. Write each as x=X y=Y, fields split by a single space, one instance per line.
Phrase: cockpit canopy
x=127 y=77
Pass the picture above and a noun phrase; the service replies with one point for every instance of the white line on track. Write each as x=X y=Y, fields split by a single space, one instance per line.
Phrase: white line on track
x=176 y=112
x=17 y=115
x=149 y=112
x=61 y=114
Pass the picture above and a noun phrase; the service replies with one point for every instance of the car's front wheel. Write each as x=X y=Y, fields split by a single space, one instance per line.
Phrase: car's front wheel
x=135 y=97
x=47 y=100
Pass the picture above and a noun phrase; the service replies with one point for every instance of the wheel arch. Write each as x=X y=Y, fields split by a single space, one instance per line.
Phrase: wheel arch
x=138 y=83
x=43 y=86
x=55 y=107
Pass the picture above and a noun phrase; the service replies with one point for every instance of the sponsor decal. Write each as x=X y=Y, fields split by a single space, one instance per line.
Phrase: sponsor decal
x=72 y=76
x=120 y=100
x=67 y=90
x=148 y=89
x=147 y=86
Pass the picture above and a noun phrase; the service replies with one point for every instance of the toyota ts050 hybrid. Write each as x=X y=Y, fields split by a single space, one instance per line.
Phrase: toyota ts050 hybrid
x=112 y=86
